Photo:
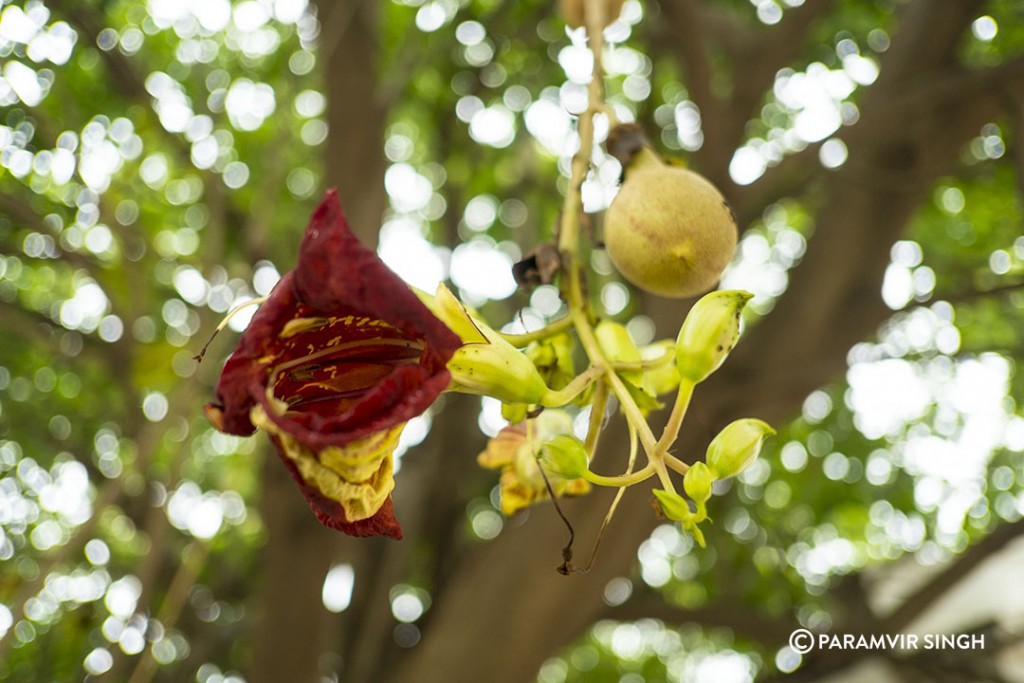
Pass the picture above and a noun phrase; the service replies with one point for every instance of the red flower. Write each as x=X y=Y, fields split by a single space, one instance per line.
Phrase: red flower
x=332 y=366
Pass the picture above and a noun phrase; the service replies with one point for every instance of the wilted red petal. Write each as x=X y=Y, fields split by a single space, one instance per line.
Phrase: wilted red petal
x=349 y=348
x=340 y=279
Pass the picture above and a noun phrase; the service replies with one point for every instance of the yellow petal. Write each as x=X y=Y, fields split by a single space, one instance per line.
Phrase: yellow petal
x=576 y=487
x=358 y=476
x=515 y=495
x=501 y=448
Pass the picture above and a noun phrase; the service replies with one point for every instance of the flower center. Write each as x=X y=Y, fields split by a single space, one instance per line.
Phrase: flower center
x=331 y=378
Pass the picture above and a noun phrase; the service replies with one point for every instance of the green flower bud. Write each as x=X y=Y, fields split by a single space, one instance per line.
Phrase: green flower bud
x=485 y=364
x=697 y=483
x=709 y=333
x=514 y=412
x=619 y=347
x=736 y=447
x=546 y=427
x=564 y=456
x=452 y=313
x=662 y=379
x=553 y=359
x=675 y=508
x=673 y=505
x=515 y=450
x=496 y=369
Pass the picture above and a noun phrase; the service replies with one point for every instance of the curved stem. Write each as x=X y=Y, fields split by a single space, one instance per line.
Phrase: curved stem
x=666 y=481
x=622 y=480
x=579 y=383
x=676 y=464
x=632 y=411
x=224 y=323
x=632 y=456
x=615 y=501
x=549 y=330
x=660 y=456
x=655 y=455
x=589 y=342
x=675 y=420
x=648 y=364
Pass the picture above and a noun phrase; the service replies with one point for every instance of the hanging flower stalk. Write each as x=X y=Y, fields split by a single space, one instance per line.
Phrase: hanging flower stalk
x=343 y=353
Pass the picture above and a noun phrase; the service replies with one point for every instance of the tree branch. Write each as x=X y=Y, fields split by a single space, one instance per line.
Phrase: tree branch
x=147 y=441
x=80 y=535
x=972 y=294
x=962 y=664
x=773 y=48
x=833 y=298
x=293 y=629
x=26 y=216
x=125 y=76
x=963 y=565
x=822 y=663
x=754 y=55
x=767 y=631
x=833 y=302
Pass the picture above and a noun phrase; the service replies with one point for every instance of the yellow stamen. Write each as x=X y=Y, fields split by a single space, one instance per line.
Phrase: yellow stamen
x=300 y=325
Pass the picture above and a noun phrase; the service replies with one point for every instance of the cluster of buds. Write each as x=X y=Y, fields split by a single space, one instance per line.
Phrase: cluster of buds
x=733 y=450
x=707 y=336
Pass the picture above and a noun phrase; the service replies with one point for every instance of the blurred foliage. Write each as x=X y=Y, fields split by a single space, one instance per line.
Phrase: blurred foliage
x=158 y=161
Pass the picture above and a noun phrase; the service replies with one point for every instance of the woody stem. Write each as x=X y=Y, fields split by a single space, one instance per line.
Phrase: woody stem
x=568 y=245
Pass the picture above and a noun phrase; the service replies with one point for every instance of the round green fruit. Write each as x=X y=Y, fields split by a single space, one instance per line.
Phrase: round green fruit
x=669 y=231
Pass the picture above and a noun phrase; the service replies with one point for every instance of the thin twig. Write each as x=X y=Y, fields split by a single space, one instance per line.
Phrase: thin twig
x=566 y=567
x=223 y=323
x=170 y=610
x=615 y=501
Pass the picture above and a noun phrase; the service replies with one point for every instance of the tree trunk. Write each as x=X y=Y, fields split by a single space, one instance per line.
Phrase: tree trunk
x=292 y=629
